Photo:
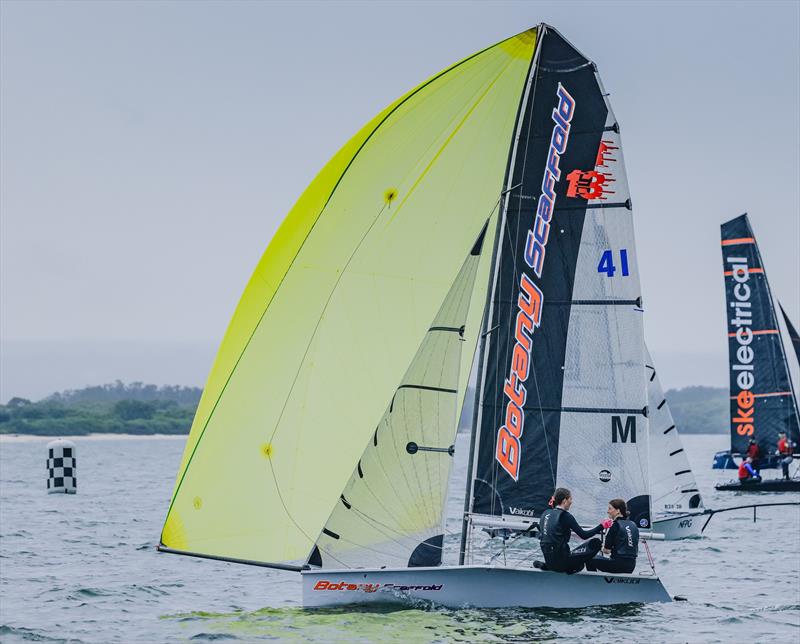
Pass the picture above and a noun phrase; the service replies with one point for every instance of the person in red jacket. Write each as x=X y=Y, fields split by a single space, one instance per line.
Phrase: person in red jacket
x=753 y=452
x=785 y=449
x=747 y=473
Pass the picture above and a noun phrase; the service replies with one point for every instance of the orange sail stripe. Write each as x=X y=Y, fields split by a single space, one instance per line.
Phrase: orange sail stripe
x=774 y=393
x=738 y=240
x=763 y=332
x=749 y=270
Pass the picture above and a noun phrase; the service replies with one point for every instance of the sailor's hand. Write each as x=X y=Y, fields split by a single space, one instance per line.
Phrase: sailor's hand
x=607 y=523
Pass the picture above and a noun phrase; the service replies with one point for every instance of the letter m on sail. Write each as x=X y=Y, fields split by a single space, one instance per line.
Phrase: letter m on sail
x=620 y=434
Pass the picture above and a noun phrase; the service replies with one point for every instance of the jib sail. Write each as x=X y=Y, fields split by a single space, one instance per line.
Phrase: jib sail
x=794 y=337
x=562 y=398
x=391 y=512
x=672 y=483
x=762 y=401
x=337 y=308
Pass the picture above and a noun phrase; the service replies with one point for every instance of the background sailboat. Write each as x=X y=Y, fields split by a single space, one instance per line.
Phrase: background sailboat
x=762 y=397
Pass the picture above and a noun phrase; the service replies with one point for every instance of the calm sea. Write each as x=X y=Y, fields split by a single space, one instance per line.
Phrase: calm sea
x=83 y=568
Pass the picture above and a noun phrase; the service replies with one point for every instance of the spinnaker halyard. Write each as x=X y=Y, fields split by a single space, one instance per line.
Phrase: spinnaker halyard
x=325 y=436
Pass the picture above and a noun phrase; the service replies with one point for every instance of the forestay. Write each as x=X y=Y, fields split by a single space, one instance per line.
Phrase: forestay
x=562 y=389
x=672 y=482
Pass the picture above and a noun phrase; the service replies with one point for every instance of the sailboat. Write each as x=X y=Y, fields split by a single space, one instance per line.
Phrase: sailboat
x=485 y=211
x=675 y=497
x=762 y=397
x=676 y=502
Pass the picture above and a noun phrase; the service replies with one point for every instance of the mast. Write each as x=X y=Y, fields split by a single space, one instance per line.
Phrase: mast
x=488 y=307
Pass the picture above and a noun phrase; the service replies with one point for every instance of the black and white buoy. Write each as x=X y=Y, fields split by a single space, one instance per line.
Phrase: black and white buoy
x=61 y=475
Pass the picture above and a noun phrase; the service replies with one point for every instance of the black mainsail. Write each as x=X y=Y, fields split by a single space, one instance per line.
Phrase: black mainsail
x=762 y=400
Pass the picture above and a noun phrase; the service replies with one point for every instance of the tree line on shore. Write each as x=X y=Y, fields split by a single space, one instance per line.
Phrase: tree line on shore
x=138 y=408
x=116 y=408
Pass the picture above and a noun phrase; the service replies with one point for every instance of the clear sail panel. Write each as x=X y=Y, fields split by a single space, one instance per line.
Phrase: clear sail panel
x=391 y=512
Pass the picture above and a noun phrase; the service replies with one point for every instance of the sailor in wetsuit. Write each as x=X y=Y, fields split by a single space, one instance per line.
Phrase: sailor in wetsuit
x=621 y=542
x=555 y=528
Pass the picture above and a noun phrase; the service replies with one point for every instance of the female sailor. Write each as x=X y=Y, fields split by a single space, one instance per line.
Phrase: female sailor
x=621 y=541
x=555 y=527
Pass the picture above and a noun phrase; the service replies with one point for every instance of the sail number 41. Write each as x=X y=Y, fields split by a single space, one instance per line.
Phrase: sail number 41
x=606 y=264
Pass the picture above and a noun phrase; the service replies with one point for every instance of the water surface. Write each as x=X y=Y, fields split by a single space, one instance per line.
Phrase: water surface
x=83 y=568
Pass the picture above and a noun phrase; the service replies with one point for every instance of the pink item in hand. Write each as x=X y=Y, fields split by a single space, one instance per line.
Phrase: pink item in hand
x=607 y=523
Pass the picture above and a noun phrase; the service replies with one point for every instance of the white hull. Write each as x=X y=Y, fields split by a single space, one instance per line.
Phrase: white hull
x=478 y=586
x=680 y=526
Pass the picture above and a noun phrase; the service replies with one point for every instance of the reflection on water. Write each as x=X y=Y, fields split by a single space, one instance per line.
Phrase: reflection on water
x=399 y=623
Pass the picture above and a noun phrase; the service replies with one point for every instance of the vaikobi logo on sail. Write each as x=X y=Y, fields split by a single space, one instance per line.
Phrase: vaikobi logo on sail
x=742 y=319
x=531 y=298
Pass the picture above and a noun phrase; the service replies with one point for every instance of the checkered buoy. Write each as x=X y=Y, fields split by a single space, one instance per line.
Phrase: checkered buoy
x=61 y=476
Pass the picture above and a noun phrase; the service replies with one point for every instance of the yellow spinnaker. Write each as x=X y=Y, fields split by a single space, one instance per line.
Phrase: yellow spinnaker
x=338 y=306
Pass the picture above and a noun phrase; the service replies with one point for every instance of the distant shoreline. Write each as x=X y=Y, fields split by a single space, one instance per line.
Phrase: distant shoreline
x=30 y=438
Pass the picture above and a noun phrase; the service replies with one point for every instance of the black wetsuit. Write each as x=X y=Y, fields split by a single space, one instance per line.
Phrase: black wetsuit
x=622 y=539
x=555 y=527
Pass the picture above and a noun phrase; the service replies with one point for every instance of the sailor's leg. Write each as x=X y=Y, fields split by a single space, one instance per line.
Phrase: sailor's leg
x=583 y=553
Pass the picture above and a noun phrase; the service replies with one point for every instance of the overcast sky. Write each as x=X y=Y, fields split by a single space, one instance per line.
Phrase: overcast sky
x=149 y=151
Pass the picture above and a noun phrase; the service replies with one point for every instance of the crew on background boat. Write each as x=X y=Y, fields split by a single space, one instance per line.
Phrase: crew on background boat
x=747 y=473
x=753 y=452
x=621 y=542
x=785 y=449
x=555 y=527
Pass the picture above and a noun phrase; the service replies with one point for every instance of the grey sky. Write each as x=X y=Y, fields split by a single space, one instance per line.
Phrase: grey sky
x=150 y=150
